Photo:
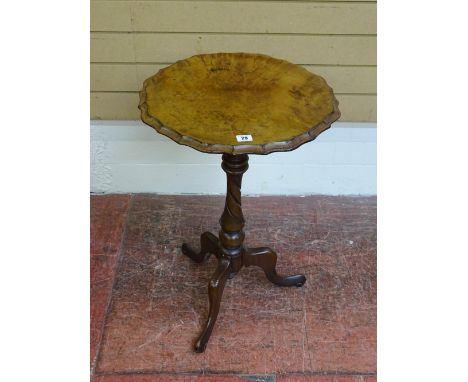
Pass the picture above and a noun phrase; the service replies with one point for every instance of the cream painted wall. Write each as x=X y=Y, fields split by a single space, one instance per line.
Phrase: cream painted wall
x=131 y=40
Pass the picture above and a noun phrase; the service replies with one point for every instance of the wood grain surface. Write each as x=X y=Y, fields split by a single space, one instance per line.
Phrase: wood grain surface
x=132 y=39
x=207 y=101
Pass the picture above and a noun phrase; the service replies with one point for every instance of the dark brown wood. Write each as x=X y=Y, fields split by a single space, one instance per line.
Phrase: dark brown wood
x=208 y=245
x=265 y=258
x=231 y=235
x=215 y=292
x=229 y=247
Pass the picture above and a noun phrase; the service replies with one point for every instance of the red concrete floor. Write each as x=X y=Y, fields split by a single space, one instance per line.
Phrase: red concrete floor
x=149 y=302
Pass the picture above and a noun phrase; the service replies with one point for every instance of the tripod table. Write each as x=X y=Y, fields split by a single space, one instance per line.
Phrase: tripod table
x=236 y=104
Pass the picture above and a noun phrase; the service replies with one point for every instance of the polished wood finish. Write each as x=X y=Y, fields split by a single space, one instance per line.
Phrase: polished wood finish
x=265 y=258
x=229 y=248
x=207 y=100
x=215 y=292
x=208 y=245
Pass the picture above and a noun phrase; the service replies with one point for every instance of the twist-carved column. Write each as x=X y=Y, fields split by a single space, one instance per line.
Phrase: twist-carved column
x=231 y=235
x=229 y=248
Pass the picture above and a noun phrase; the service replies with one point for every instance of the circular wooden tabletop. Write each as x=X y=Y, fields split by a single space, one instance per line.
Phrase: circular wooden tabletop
x=238 y=103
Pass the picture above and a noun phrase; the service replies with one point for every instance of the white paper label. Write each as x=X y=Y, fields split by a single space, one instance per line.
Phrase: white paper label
x=244 y=138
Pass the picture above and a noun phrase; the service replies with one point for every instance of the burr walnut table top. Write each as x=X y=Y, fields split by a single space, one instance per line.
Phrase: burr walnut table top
x=207 y=101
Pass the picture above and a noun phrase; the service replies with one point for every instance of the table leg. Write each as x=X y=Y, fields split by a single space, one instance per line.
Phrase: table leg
x=215 y=292
x=209 y=244
x=229 y=247
x=265 y=258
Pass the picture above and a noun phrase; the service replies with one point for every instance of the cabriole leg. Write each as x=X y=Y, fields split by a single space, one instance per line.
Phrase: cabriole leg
x=215 y=292
x=209 y=244
x=265 y=258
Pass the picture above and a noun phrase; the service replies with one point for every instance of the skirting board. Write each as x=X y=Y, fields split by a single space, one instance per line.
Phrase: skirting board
x=128 y=156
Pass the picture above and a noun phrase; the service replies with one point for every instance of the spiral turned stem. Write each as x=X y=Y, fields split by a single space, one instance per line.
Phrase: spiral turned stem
x=231 y=235
x=229 y=248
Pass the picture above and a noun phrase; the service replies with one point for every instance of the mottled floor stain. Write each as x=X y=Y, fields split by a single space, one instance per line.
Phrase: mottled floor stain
x=323 y=332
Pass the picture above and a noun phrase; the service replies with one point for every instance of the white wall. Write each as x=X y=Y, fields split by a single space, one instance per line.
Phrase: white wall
x=128 y=156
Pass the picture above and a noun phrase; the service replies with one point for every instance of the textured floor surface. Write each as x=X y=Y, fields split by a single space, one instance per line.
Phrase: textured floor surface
x=149 y=302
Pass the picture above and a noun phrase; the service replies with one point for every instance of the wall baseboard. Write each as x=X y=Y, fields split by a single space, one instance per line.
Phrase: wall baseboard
x=128 y=156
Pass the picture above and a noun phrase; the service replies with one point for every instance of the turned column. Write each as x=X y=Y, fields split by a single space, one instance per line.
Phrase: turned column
x=169 y=104
x=231 y=235
x=229 y=248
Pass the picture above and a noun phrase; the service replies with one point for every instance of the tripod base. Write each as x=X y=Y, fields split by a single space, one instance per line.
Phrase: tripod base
x=228 y=266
